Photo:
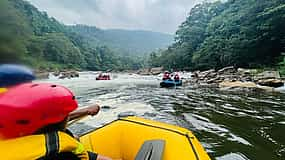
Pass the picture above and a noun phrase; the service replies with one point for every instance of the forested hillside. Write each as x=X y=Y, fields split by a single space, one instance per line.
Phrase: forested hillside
x=243 y=33
x=32 y=37
x=126 y=42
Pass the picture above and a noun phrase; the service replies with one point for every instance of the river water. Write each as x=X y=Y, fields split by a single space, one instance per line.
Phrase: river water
x=230 y=125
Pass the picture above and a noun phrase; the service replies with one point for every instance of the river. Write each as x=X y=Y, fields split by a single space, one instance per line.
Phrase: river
x=230 y=125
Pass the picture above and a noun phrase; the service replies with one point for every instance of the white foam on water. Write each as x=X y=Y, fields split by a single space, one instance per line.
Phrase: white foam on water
x=283 y=122
x=233 y=156
x=229 y=107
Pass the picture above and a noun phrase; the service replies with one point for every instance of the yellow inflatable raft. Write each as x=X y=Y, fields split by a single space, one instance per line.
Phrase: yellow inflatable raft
x=132 y=138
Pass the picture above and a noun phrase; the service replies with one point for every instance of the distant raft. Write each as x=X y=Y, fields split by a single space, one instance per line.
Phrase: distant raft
x=103 y=77
x=134 y=138
x=170 y=83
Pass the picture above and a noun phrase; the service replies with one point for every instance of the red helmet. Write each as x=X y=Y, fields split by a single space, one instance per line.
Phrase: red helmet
x=25 y=108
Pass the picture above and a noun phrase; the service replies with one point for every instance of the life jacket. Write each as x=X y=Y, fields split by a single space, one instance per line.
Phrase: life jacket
x=37 y=147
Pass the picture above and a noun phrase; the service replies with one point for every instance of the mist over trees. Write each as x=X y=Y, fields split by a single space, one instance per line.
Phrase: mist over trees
x=126 y=42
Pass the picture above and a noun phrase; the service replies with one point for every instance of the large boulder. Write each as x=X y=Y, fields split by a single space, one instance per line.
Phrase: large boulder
x=271 y=82
x=227 y=70
x=246 y=78
x=156 y=71
x=42 y=74
x=69 y=74
x=144 y=71
x=228 y=84
x=267 y=75
x=214 y=80
x=238 y=85
x=74 y=73
x=242 y=71
x=206 y=74
x=56 y=73
x=195 y=74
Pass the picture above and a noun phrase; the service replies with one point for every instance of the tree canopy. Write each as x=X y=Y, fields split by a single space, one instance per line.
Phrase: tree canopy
x=32 y=37
x=236 y=32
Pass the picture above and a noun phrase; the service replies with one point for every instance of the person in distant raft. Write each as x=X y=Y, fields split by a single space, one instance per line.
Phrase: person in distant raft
x=33 y=124
x=176 y=77
x=166 y=75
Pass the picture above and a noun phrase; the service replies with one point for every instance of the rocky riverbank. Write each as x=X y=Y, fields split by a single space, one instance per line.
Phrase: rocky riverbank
x=150 y=71
x=62 y=74
x=230 y=78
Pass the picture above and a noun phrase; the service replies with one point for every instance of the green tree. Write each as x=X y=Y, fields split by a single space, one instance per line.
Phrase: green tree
x=13 y=33
x=237 y=32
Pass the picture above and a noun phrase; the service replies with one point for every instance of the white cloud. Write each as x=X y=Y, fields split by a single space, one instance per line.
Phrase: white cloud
x=155 y=15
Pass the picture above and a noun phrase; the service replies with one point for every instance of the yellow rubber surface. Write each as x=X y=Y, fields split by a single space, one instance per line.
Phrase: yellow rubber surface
x=123 y=138
x=2 y=90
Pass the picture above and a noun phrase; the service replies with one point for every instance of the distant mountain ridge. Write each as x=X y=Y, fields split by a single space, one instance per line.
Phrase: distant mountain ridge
x=127 y=42
x=30 y=36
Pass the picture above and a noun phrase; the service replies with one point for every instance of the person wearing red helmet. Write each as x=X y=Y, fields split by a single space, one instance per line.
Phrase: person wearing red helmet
x=166 y=75
x=35 y=115
x=176 y=77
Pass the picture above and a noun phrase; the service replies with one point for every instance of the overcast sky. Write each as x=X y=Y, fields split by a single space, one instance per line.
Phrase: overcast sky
x=155 y=15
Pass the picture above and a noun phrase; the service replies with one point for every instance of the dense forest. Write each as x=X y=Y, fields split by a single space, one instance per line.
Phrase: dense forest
x=242 y=33
x=126 y=42
x=32 y=37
